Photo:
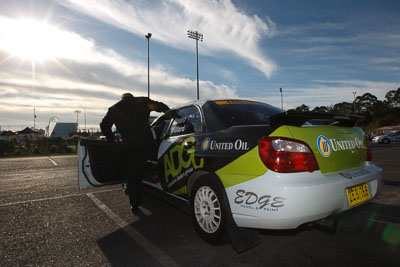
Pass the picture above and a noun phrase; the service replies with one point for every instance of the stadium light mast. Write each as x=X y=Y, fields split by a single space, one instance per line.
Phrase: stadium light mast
x=197 y=36
x=148 y=36
x=280 y=89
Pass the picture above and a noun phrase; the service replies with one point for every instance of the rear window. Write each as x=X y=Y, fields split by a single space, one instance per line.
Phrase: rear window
x=221 y=114
x=241 y=112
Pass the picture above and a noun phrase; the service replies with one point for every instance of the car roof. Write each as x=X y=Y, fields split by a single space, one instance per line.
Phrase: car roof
x=202 y=102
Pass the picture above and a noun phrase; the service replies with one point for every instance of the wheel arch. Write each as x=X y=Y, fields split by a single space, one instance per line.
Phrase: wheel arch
x=196 y=175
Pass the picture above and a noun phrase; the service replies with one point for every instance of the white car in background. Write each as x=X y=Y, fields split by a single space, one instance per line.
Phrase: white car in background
x=387 y=138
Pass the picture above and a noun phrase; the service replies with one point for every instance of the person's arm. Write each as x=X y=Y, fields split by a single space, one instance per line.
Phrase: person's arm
x=157 y=106
x=106 y=125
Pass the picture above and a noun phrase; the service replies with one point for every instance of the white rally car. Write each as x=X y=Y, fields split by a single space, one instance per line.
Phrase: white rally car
x=250 y=165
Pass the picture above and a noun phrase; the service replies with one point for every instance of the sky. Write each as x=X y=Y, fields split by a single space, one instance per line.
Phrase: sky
x=60 y=56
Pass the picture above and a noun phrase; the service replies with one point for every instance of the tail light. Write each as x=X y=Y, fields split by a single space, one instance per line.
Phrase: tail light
x=286 y=155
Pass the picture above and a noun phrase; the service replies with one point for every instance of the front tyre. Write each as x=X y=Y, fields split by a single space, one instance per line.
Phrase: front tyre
x=386 y=141
x=208 y=212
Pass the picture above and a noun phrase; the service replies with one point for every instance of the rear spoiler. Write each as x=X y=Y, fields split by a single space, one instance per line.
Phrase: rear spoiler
x=295 y=118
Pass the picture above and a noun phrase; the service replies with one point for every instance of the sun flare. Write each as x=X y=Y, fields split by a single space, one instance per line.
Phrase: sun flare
x=38 y=41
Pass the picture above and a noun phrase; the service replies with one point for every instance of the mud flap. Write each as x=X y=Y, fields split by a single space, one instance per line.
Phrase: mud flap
x=242 y=238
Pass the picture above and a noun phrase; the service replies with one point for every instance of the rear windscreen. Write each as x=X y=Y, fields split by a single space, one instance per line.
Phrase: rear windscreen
x=241 y=112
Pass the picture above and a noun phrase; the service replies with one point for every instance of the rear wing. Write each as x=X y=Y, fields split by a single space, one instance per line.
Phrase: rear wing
x=294 y=118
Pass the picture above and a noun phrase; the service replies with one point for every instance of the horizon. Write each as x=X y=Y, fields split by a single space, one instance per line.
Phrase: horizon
x=61 y=56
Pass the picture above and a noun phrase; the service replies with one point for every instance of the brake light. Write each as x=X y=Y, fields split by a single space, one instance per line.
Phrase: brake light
x=286 y=155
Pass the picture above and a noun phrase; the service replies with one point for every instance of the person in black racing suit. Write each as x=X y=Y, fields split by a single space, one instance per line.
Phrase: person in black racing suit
x=131 y=118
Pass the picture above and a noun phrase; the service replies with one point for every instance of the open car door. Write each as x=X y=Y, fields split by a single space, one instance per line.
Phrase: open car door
x=99 y=164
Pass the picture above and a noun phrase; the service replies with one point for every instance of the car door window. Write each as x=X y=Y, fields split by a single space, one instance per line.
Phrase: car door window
x=186 y=121
x=161 y=125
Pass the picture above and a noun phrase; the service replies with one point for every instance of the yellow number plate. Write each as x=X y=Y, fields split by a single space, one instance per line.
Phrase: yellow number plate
x=357 y=194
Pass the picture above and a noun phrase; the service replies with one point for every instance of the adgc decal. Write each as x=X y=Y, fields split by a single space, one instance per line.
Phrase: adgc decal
x=324 y=146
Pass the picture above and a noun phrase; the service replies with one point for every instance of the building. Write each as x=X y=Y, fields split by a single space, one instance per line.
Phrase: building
x=61 y=129
x=27 y=133
x=8 y=135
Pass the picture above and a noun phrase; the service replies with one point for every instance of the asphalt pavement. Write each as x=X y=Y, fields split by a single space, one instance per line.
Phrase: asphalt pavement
x=45 y=220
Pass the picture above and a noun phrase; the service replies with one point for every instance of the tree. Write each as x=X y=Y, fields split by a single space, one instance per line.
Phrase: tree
x=6 y=147
x=343 y=107
x=393 y=98
x=364 y=104
x=303 y=108
x=321 y=109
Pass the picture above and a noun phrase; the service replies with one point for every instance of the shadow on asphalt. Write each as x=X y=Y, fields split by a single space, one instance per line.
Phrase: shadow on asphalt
x=122 y=250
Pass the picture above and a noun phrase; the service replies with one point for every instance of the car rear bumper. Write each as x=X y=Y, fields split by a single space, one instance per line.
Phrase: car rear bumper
x=285 y=201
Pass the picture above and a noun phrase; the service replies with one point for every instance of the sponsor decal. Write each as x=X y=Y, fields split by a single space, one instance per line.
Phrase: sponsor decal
x=178 y=125
x=347 y=144
x=326 y=146
x=250 y=200
x=180 y=162
x=209 y=144
x=205 y=144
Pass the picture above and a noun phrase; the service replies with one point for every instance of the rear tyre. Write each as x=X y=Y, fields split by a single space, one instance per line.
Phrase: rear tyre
x=207 y=209
x=385 y=141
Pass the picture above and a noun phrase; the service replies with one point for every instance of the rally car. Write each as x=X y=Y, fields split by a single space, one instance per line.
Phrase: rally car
x=251 y=162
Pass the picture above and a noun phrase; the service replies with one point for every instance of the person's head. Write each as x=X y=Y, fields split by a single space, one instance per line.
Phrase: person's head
x=127 y=96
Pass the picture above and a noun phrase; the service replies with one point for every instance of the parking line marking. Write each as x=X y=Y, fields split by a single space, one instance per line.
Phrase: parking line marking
x=145 y=211
x=384 y=222
x=386 y=149
x=51 y=198
x=52 y=161
x=142 y=241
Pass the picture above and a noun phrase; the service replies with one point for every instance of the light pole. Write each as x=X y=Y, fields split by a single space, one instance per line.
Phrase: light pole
x=197 y=36
x=148 y=36
x=34 y=118
x=354 y=102
x=280 y=89
x=77 y=113
x=85 y=120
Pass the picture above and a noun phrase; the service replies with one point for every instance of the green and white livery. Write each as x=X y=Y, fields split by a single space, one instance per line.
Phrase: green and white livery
x=247 y=164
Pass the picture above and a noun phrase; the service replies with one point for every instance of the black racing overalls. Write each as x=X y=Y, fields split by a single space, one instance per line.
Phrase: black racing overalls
x=131 y=118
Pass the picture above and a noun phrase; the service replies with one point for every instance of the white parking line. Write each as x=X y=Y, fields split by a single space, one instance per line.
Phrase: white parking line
x=145 y=211
x=52 y=161
x=146 y=244
x=51 y=198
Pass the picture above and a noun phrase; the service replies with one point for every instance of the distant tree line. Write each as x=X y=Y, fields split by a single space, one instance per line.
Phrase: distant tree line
x=377 y=113
x=39 y=145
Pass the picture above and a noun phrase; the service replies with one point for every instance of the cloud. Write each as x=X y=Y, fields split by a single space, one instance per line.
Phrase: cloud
x=225 y=28
x=87 y=75
x=325 y=93
x=329 y=92
x=300 y=30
